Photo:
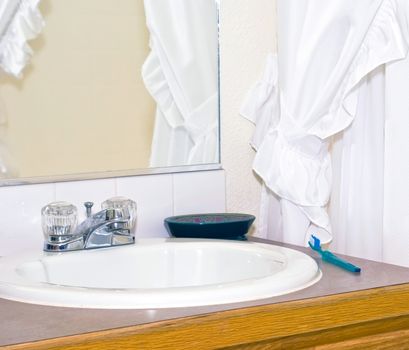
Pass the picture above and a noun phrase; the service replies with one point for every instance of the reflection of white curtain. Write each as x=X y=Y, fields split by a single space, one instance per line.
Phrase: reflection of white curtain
x=325 y=49
x=20 y=20
x=181 y=75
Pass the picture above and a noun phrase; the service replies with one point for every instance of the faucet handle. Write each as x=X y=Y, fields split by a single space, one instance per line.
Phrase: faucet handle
x=58 y=219
x=126 y=206
x=88 y=206
x=115 y=214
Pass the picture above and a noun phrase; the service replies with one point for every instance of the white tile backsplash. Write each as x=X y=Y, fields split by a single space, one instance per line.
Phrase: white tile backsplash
x=157 y=197
x=154 y=200
x=20 y=216
x=78 y=192
x=198 y=192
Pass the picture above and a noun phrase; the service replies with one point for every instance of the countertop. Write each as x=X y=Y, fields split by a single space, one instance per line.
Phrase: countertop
x=21 y=322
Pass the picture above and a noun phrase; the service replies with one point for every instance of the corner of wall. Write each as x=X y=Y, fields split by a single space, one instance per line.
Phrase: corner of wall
x=248 y=34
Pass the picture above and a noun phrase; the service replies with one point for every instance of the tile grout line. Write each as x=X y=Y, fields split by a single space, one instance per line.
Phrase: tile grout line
x=173 y=194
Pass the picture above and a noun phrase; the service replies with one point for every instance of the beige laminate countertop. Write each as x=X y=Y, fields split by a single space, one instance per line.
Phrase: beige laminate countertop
x=22 y=322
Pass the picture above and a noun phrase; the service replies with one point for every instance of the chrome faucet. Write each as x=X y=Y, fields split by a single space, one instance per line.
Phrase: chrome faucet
x=107 y=228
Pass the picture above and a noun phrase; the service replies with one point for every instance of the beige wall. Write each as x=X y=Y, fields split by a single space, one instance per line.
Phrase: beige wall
x=84 y=83
x=247 y=35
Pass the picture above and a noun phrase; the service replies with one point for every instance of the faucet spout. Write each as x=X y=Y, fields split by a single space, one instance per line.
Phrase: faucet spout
x=106 y=228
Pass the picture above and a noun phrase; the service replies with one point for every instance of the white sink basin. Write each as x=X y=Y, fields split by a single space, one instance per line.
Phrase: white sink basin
x=157 y=273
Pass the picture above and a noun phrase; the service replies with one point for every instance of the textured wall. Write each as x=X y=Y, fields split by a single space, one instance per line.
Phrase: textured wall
x=247 y=35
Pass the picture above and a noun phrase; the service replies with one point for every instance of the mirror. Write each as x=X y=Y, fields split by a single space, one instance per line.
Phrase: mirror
x=114 y=88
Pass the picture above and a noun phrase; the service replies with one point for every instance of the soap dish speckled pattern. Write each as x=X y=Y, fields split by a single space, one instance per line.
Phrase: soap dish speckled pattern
x=218 y=225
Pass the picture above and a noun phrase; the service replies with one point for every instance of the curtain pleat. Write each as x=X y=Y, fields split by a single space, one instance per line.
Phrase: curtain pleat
x=326 y=49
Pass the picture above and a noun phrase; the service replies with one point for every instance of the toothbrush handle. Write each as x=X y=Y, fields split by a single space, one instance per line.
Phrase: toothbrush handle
x=333 y=259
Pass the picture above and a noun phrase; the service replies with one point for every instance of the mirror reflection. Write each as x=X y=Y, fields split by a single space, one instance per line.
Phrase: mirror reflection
x=113 y=86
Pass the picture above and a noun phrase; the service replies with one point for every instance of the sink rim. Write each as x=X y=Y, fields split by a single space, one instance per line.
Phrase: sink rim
x=24 y=290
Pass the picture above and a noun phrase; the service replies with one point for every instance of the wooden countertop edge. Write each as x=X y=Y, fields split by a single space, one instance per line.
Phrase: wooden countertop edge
x=245 y=325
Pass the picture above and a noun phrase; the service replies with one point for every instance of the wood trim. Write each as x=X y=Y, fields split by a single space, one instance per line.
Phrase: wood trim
x=251 y=325
x=385 y=341
x=334 y=338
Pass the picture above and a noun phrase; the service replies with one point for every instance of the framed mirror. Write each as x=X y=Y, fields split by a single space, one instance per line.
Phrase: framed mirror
x=114 y=88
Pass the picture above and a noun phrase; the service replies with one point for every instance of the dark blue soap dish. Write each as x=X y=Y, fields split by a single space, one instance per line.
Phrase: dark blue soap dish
x=221 y=226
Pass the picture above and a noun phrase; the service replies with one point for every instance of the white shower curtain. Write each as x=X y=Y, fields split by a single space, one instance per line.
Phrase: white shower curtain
x=369 y=204
x=181 y=75
x=356 y=206
x=325 y=50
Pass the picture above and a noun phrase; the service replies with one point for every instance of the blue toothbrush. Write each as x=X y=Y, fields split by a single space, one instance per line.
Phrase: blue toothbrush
x=327 y=256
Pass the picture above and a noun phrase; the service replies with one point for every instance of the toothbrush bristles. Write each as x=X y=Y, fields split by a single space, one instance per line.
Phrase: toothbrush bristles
x=317 y=242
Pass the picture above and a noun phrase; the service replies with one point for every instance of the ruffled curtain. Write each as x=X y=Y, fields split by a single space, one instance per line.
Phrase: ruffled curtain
x=181 y=74
x=325 y=49
x=20 y=21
